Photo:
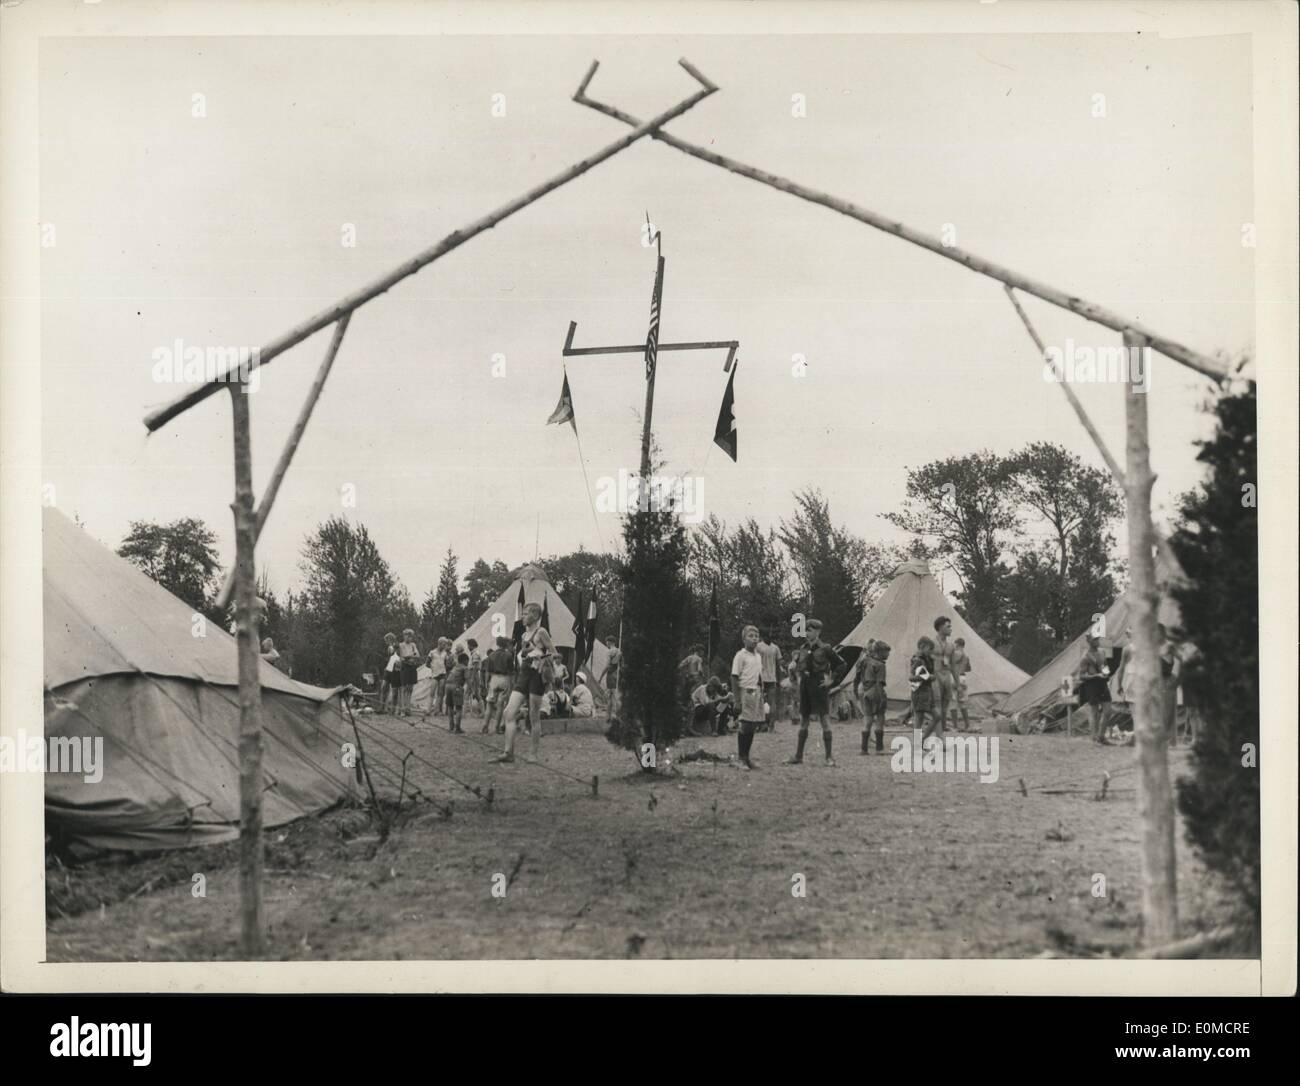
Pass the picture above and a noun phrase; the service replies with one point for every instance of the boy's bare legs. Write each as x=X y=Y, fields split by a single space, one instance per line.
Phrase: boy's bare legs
x=511 y=712
x=535 y=720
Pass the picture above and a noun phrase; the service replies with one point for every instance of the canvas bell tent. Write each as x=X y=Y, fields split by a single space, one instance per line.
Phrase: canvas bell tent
x=1044 y=690
x=905 y=612
x=499 y=620
x=128 y=663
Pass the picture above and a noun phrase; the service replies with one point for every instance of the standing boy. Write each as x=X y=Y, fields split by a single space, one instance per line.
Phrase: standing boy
x=872 y=677
x=771 y=656
x=438 y=673
x=945 y=678
x=500 y=662
x=474 y=677
x=920 y=677
x=747 y=690
x=816 y=671
x=457 y=680
x=960 y=668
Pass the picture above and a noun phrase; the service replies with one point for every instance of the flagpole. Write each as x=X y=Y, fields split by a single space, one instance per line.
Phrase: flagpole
x=651 y=368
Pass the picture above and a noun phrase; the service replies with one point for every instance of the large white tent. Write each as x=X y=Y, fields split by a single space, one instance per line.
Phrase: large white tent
x=905 y=611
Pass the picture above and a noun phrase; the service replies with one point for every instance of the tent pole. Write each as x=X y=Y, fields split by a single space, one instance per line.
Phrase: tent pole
x=1155 y=795
x=454 y=240
x=1162 y=544
x=252 y=917
x=290 y=447
x=1194 y=359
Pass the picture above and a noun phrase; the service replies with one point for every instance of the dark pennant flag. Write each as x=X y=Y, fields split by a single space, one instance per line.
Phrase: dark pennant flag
x=517 y=635
x=724 y=434
x=579 y=635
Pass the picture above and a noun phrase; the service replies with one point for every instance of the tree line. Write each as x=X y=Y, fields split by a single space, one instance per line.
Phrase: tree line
x=1029 y=538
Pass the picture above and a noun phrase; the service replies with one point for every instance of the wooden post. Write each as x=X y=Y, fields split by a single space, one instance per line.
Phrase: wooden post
x=1211 y=367
x=1155 y=795
x=252 y=918
x=290 y=447
x=454 y=240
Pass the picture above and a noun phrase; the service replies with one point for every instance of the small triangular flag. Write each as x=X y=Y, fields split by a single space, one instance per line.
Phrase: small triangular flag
x=564 y=409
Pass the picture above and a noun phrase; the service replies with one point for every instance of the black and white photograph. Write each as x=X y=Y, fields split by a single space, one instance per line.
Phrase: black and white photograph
x=760 y=485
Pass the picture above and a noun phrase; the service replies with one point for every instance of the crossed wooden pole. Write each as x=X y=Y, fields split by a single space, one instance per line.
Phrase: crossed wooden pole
x=1160 y=913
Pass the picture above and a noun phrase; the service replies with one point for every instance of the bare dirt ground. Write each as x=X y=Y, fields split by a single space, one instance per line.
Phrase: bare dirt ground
x=697 y=865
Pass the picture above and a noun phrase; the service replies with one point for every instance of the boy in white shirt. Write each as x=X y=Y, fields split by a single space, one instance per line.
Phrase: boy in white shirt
x=747 y=690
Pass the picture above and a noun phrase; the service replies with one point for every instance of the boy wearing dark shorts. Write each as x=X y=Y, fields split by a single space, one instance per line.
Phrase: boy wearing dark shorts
x=816 y=670
x=457 y=679
x=871 y=678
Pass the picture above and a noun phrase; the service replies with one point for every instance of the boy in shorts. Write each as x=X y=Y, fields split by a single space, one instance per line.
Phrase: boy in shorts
x=457 y=680
x=816 y=670
x=872 y=685
x=747 y=691
x=771 y=656
x=920 y=677
x=499 y=665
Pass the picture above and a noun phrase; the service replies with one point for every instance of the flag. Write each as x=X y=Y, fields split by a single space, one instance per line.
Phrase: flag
x=579 y=635
x=591 y=626
x=652 y=340
x=724 y=434
x=517 y=635
x=564 y=409
x=715 y=627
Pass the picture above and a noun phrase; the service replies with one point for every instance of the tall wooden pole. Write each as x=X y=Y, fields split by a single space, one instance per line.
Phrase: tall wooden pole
x=650 y=395
x=1155 y=794
x=454 y=240
x=252 y=919
x=290 y=447
x=1211 y=367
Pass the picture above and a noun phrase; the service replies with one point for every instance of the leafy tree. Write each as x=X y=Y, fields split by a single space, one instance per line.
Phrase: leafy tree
x=483 y=584
x=823 y=559
x=964 y=508
x=180 y=556
x=443 y=614
x=1217 y=546
x=589 y=572
x=349 y=599
x=1078 y=505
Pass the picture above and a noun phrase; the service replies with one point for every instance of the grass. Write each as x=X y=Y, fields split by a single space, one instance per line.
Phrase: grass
x=698 y=864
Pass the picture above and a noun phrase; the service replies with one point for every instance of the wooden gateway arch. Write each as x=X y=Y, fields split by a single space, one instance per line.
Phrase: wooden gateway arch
x=1155 y=793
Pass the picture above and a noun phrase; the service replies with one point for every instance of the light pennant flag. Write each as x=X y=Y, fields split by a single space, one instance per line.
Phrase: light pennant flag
x=564 y=409
x=652 y=339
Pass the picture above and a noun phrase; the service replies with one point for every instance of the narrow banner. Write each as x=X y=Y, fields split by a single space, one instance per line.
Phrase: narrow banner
x=652 y=339
x=724 y=434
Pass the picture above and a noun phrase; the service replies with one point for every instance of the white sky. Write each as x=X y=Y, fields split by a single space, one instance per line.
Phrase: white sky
x=225 y=230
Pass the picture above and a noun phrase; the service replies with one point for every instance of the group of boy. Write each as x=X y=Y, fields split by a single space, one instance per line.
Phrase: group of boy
x=754 y=689
x=936 y=677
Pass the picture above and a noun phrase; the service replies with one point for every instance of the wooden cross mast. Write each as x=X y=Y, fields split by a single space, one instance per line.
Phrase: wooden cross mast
x=650 y=349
